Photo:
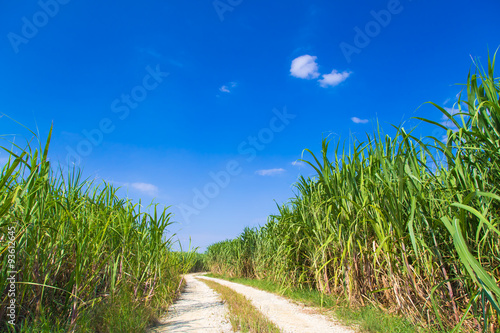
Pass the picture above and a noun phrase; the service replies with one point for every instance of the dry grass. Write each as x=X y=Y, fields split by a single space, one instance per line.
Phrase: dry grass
x=242 y=314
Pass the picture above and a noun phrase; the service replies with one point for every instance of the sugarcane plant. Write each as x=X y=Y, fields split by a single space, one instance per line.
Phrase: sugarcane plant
x=410 y=224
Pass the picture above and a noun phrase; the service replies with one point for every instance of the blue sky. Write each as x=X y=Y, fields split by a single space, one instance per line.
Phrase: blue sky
x=170 y=99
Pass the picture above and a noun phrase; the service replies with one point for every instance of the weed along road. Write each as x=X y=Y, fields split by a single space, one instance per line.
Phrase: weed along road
x=199 y=309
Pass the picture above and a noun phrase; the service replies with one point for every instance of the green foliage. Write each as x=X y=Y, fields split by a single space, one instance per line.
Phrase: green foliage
x=192 y=262
x=120 y=313
x=198 y=263
x=81 y=251
x=410 y=226
x=367 y=318
x=244 y=317
x=233 y=257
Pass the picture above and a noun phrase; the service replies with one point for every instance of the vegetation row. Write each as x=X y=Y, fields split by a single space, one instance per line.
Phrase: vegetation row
x=79 y=258
x=410 y=225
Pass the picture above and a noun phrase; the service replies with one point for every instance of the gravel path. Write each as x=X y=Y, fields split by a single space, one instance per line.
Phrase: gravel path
x=289 y=317
x=199 y=309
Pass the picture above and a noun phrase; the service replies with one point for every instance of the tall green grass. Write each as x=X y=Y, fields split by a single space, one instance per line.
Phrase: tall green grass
x=398 y=222
x=86 y=260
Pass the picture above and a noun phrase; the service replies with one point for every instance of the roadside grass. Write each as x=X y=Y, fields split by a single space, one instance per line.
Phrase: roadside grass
x=121 y=314
x=366 y=318
x=243 y=315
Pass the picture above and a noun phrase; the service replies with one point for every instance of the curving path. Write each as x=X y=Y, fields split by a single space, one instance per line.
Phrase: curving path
x=199 y=309
x=289 y=317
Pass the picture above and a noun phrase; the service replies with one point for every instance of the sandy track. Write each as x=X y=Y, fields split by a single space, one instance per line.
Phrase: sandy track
x=199 y=309
x=289 y=317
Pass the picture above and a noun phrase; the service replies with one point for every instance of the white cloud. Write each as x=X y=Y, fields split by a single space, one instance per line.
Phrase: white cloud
x=357 y=120
x=305 y=67
x=333 y=79
x=445 y=121
x=270 y=172
x=452 y=111
x=145 y=188
x=299 y=164
x=226 y=88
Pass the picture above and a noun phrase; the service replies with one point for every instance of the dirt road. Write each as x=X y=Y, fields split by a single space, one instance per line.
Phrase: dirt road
x=200 y=310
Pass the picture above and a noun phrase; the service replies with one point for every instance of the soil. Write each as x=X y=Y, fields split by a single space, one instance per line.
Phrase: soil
x=199 y=309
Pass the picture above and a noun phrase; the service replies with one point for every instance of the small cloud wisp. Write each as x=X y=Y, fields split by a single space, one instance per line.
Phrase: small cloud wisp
x=270 y=172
